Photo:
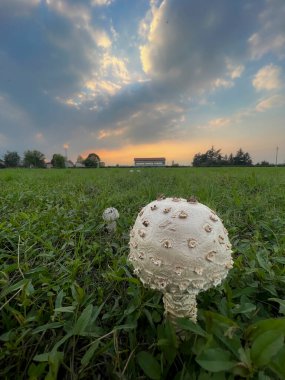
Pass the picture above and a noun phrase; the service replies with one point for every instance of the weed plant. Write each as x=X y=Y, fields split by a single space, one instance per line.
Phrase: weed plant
x=72 y=309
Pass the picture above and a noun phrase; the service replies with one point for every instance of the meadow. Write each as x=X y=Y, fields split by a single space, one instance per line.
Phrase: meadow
x=71 y=307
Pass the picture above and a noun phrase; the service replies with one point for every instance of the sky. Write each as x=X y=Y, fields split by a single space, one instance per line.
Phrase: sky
x=142 y=78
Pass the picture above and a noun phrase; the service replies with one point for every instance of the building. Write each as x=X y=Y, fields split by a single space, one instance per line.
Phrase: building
x=79 y=165
x=69 y=164
x=153 y=161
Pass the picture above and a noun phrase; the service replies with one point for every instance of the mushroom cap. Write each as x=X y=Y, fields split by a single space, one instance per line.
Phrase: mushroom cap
x=179 y=246
x=110 y=214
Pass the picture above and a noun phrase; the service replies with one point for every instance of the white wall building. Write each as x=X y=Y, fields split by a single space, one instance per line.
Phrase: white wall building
x=149 y=161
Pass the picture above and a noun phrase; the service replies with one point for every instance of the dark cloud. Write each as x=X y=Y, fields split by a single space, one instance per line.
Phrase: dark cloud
x=43 y=57
x=191 y=42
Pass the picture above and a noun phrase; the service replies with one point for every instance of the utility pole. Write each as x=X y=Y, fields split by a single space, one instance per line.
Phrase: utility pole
x=276 y=157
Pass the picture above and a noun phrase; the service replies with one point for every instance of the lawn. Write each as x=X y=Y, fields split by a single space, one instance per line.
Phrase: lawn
x=72 y=309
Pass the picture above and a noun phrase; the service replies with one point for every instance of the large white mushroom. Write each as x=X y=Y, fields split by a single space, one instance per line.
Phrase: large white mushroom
x=110 y=215
x=179 y=247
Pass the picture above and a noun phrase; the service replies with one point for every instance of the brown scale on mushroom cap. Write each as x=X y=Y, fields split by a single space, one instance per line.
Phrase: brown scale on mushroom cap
x=208 y=228
x=167 y=244
x=192 y=243
x=183 y=215
x=192 y=199
x=214 y=217
x=141 y=233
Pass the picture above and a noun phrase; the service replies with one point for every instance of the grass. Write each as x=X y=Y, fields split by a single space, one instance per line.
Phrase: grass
x=72 y=309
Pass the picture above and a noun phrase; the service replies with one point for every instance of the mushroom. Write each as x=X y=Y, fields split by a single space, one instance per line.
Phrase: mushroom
x=180 y=248
x=110 y=215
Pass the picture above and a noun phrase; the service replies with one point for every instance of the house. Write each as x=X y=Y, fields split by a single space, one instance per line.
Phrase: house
x=152 y=161
x=79 y=165
x=69 y=164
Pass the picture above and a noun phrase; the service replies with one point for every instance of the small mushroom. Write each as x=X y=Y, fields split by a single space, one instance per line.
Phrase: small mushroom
x=110 y=215
x=191 y=252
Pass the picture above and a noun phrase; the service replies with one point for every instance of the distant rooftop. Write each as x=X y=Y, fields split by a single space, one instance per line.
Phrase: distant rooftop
x=149 y=158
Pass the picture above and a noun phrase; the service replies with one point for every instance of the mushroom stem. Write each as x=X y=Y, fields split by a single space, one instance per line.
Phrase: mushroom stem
x=180 y=306
x=111 y=227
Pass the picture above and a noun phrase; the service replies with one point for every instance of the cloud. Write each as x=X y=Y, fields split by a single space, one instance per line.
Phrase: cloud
x=219 y=122
x=216 y=123
x=269 y=38
x=16 y=124
x=80 y=15
x=137 y=125
x=191 y=48
x=17 y=8
x=222 y=82
x=270 y=102
x=101 y=2
x=115 y=67
x=180 y=58
x=11 y=113
x=235 y=71
x=103 y=134
x=263 y=44
x=46 y=65
x=3 y=140
x=267 y=78
x=101 y=38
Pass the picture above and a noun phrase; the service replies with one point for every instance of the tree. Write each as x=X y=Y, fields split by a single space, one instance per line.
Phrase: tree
x=12 y=159
x=231 y=159
x=242 y=158
x=80 y=159
x=58 y=161
x=92 y=161
x=34 y=159
x=212 y=157
x=265 y=163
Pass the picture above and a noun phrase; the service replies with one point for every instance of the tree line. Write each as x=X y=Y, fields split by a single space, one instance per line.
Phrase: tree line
x=214 y=157
x=36 y=159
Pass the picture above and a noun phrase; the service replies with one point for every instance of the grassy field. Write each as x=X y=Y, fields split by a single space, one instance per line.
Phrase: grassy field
x=72 y=309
